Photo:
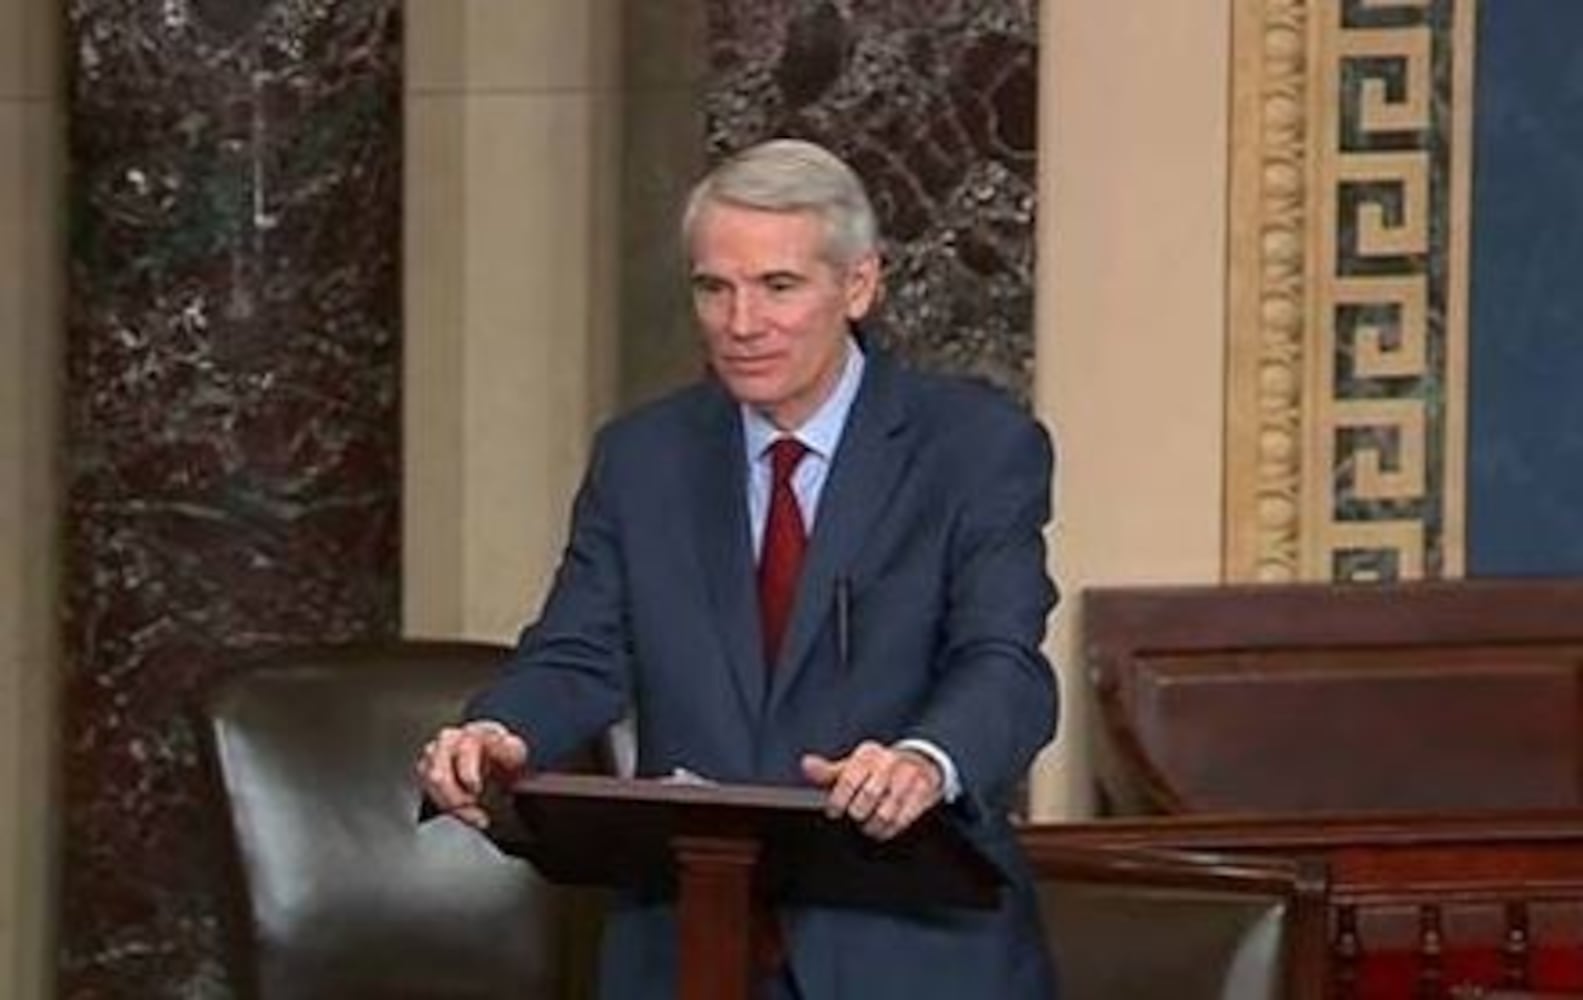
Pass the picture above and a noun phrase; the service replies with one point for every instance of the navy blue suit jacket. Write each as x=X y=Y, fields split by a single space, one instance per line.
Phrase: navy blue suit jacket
x=932 y=522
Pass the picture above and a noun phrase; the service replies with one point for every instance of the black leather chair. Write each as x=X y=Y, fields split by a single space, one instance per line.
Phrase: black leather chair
x=341 y=893
x=1175 y=925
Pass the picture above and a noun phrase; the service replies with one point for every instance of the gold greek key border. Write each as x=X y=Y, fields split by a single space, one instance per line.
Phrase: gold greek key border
x=1299 y=449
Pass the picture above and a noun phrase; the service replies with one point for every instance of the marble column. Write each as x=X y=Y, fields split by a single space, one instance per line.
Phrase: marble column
x=231 y=463
x=934 y=102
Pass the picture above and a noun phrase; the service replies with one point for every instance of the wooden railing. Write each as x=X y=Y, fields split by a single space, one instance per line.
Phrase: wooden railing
x=1422 y=741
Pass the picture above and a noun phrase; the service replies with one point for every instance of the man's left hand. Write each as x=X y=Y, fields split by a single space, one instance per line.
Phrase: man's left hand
x=880 y=787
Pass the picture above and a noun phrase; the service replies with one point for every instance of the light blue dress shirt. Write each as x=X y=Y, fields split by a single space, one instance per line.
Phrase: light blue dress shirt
x=821 y=435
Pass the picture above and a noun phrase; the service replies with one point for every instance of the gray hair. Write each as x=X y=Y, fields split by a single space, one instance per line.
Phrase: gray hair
x=791 y=175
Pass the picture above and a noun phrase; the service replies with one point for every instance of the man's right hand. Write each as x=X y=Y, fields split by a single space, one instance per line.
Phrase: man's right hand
x=454 y=767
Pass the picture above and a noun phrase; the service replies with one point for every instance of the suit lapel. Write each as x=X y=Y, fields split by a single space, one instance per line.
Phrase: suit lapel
x=718 y=475
x=873 y=453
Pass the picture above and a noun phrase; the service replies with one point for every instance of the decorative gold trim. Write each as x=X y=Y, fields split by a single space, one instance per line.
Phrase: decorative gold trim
x=1346 y=405
x=1464 y=32
x=1267 y=287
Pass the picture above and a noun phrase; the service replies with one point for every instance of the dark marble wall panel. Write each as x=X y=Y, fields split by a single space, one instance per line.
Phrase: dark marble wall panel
x=934 y=102
x=232 y=420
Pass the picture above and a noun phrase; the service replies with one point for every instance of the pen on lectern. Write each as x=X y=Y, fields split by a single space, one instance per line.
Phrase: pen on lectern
x=843 y=621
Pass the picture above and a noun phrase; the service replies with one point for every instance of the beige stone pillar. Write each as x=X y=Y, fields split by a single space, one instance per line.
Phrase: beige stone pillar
x=30 y=324
x=1131 y=312
x=512 y=159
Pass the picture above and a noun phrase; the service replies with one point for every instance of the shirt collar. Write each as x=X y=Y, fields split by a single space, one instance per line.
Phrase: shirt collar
x=821 y=432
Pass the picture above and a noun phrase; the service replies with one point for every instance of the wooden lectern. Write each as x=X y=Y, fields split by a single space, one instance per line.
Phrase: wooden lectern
x=714 y=848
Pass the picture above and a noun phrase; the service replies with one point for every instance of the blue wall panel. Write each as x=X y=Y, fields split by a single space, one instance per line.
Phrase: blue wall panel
x=1525 y=434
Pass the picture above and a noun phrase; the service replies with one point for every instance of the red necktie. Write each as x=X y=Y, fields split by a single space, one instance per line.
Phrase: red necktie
x=784 y=542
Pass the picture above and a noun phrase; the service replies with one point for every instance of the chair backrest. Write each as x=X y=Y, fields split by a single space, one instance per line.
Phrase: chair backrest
x=1174 y=925
x=344 y=894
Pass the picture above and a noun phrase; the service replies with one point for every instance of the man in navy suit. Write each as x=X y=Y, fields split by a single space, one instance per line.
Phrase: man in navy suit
x=814 y=566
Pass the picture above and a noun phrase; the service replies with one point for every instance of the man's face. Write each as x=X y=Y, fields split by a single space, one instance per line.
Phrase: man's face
x=773 y=308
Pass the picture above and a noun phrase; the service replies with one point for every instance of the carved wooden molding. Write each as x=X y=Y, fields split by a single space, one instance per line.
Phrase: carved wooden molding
x=1351 y=149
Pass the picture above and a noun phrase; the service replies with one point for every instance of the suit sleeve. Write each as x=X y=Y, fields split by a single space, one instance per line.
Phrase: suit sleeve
x=995 y=698
x=569 y=677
